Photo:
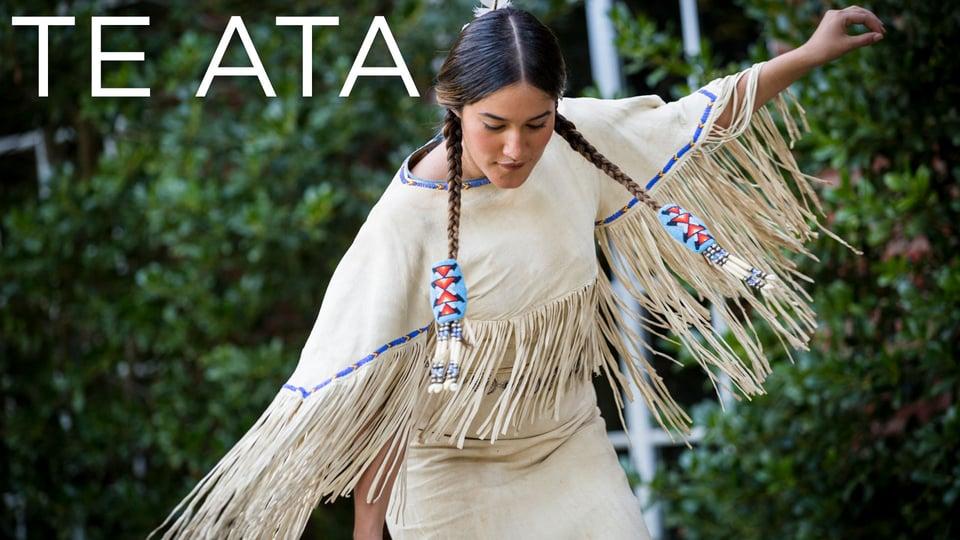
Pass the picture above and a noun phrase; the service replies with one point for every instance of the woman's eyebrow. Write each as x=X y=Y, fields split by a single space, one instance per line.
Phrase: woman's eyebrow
x=495 y=117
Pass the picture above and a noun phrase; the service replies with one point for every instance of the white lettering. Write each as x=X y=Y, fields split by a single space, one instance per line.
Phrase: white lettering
x=379 y=24
x=43 y=25
x=215 y=70
x=307 y=23
x=97 y=57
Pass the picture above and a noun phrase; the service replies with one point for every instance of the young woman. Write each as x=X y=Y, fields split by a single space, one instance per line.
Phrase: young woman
x=447 y=379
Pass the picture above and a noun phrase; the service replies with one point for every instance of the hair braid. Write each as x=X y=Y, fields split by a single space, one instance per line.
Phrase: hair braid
x=566 y=129
x=452 y=134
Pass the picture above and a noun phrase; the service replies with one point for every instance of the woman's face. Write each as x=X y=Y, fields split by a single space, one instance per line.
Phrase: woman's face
x=510 y=126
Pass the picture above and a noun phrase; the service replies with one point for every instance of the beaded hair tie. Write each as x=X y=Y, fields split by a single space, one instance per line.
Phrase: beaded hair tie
x=448 y=294
x=690 y=231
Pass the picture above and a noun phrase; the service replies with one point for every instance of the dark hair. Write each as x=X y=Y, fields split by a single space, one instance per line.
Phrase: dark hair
x=502 y=47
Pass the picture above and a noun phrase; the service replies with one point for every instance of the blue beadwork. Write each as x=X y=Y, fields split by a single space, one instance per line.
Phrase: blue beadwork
x=436 y=373
x=304 y=391
x=448 y=292
x=755 y=279
x=670 y=163
x=453 y=371
x=685 y=227
x=716 y=254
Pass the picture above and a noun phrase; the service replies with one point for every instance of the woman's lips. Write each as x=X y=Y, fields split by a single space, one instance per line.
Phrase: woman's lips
x=511 y=166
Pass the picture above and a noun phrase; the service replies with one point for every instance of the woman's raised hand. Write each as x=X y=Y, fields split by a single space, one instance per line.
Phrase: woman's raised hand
x=830 y=40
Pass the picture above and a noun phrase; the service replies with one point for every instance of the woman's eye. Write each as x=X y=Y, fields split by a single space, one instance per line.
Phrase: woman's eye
x=538 y=126
x=493 y=128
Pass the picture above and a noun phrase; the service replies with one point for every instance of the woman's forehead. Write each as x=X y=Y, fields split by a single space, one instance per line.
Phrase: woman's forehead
x=517 y=102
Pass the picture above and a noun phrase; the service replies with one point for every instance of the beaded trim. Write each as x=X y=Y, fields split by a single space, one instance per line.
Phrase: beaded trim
x=440 y=186
x=673 y=160
x=408 y=179
x=304 y=392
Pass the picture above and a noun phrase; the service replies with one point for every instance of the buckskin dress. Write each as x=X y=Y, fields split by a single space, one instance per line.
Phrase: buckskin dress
x=520 y=451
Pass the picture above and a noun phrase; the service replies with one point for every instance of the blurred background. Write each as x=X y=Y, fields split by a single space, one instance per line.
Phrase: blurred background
x=162 y=259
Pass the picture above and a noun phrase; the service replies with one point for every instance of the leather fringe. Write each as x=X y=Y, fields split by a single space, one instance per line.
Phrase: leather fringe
x=744 y=182
x=304 y=448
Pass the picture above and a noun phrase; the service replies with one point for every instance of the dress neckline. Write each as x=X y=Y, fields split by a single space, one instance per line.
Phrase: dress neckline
x=410 y=179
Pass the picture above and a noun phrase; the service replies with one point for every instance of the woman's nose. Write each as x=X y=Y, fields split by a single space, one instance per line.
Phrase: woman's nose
x=512 y=147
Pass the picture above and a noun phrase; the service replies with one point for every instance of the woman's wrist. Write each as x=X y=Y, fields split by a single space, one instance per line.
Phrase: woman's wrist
x=806 y=57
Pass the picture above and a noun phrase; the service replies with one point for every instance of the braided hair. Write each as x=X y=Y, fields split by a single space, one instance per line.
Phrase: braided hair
x=497 y=49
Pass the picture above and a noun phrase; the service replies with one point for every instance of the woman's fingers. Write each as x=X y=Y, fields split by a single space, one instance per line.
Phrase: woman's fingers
x=830 y=40
x=859 y=15
x=862 y=40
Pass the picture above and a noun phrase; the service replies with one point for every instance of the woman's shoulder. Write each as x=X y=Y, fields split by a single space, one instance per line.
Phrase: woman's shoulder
x=610 y=109
x=432 y=166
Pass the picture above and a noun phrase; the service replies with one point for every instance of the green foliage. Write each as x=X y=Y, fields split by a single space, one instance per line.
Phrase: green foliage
x=658 y=53
x=860 y=438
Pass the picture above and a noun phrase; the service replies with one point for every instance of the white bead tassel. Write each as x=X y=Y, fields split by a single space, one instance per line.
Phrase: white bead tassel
x=740 y=269
x=440 y=358
x=451 y=382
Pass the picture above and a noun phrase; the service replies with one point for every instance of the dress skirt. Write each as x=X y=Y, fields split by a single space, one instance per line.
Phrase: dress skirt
x=550 y=479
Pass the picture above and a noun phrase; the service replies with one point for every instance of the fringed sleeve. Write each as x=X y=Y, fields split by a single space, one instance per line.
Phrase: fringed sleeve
x=352 y=394
x=745 y=186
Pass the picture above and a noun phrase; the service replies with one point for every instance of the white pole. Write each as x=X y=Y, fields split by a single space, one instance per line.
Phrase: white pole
x=690 y=24
x=604 y=60
x=607 y=75
x=690 y=27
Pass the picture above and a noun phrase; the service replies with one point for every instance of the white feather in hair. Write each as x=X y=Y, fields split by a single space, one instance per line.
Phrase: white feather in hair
x=488 y=6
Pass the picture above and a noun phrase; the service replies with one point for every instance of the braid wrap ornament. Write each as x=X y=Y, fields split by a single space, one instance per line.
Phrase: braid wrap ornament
x=683 y=226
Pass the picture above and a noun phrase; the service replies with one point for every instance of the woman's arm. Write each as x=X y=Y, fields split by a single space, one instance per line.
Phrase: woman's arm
x=828 y=42
x=368 y=518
